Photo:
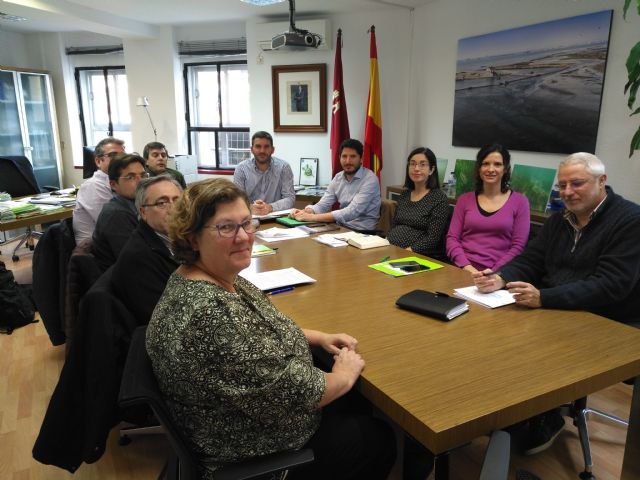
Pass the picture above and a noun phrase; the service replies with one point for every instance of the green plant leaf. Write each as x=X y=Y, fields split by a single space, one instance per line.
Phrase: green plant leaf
x=635 y=143
x=633 y=60
x=625 y=8
x=633 y=90
x=637 y=110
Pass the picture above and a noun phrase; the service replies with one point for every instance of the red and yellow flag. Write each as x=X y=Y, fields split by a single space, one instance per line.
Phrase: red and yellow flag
x=373 y=124
x=339 y=117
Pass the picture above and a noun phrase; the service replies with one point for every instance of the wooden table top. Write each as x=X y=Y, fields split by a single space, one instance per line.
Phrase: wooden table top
x=449 y=382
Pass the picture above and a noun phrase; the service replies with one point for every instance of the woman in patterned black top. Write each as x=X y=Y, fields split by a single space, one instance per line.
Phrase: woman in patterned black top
x=422 y=214
x=237 y=374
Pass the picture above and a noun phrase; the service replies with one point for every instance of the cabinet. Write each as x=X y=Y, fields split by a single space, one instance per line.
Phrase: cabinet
x=27 y=122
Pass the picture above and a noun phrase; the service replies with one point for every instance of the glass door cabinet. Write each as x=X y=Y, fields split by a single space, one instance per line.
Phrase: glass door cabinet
x=27 y=123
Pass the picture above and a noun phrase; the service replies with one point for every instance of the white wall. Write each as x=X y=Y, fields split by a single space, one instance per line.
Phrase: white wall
x=14 y=51
x=444 y=22
x=393 y=34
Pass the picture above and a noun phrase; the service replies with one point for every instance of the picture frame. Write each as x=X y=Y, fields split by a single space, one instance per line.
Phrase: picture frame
x=299 y=98
x=308 y=171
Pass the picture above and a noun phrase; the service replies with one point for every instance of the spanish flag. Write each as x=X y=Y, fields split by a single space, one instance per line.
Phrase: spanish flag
x=373 y=124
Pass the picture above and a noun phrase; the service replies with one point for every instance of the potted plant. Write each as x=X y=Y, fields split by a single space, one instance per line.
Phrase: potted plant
x=633 y=83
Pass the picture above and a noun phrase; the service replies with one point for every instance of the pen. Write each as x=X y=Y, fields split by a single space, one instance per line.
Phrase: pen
x=384 y=259
x=281 y=290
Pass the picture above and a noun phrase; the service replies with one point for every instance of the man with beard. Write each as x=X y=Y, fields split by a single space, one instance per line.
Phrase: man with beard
x=267 y=180
x=355 y=189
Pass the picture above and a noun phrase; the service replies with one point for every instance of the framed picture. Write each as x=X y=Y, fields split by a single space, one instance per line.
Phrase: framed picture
x=308 y=171
x=299 y=98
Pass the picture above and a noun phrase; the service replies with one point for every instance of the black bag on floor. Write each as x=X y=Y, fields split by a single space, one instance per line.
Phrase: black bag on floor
x=16 y=309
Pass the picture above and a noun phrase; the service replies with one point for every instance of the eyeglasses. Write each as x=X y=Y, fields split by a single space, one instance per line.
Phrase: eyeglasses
x=133 y=176
x=420 y=165
x=574 y=184
x=230 y=230
x=161 y=204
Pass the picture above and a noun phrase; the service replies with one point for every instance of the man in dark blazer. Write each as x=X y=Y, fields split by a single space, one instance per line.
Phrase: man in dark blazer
x=146 y=262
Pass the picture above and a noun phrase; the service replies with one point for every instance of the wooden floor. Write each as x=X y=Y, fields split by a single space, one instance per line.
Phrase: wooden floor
x=29 y=373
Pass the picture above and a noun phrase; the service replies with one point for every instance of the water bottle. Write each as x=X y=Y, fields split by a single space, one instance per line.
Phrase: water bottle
x=451 y=191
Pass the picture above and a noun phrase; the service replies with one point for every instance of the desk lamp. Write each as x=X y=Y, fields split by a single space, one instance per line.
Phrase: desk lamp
x=144 y=103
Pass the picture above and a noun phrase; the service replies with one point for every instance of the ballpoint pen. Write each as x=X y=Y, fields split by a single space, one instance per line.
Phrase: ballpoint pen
x=281 y=290
x=384 y=259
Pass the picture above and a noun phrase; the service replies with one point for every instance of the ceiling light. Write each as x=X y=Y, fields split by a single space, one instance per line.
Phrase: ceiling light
x=262 y=3
x=11 y=18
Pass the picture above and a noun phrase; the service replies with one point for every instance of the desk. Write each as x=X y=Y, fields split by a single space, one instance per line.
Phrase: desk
x=40 y=218
x=447 y=383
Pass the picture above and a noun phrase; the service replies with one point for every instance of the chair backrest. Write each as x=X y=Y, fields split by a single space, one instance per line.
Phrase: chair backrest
x=82 y=272
x=88 y=162
x=387 y=213
x=49 y=270
x=17 y=178
x=139 y=386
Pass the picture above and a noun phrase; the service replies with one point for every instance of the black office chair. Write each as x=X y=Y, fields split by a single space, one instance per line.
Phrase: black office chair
x=88 y=162
x=18 y=180
x=139 y=387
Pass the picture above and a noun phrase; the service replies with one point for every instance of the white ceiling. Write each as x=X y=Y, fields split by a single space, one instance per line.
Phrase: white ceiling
x=137 y=18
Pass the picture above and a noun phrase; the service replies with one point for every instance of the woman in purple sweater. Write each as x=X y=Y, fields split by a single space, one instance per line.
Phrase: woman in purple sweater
x=491 y=225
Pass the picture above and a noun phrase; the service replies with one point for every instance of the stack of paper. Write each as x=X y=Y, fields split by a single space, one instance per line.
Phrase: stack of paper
x=276 y=278
x=330 y=240
x=491 y=300
x=276 y=234
x=276 y=214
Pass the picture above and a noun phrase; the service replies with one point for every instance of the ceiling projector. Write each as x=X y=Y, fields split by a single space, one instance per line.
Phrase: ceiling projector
x=296 y=39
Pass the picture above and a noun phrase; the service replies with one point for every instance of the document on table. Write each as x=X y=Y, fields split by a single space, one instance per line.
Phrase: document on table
x=283 y=277
x=276 y=214
x=276 y=234
x=491 y=300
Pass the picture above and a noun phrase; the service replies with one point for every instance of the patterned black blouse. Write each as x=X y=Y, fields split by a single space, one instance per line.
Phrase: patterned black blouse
x=237 y=373
x=421 y=225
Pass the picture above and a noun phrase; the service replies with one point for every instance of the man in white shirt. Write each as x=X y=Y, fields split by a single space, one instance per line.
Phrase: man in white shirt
x=95 y=191
x=355 y=188
x=267 y=180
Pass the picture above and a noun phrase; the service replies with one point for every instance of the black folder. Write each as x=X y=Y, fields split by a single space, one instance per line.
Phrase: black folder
x=433 y=304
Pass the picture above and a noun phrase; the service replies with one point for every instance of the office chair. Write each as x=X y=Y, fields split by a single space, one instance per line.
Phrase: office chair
x=579 y=412
x=139 y=387
x=387 y=214
x=49 y=271
x=88 y=162
x=18 y=180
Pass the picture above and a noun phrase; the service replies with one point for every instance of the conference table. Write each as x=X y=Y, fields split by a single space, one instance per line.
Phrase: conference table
x=447 y=383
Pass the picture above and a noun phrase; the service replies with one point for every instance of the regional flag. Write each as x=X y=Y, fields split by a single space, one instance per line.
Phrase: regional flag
x=339 y=117
x=373 y=123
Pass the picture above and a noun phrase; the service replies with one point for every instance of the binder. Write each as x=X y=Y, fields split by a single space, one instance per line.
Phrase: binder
x=433 y=304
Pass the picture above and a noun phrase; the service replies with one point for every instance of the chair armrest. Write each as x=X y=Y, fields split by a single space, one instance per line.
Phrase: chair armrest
x=263 y=465
x=496 y=459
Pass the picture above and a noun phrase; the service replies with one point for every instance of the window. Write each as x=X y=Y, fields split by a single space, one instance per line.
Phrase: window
x=218 y=114
x=104 y=104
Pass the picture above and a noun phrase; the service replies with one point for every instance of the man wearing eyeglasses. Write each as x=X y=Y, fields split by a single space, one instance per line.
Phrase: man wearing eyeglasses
x=146 y=261
x=119 y=217
x=584 y=258
x=95 y=191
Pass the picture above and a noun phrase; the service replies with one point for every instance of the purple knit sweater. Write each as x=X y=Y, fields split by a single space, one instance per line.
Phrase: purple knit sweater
x=488 y=242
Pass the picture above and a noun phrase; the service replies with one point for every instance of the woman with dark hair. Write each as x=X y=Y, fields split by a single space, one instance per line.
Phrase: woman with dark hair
x=422 y=213
x=491 y=225
x=237 y=374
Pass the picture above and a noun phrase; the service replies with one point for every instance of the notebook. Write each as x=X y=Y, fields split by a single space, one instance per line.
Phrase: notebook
x=292 y=222
x=433 y=304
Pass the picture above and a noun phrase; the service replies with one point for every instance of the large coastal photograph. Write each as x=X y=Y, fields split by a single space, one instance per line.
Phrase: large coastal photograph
x=534 y=88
